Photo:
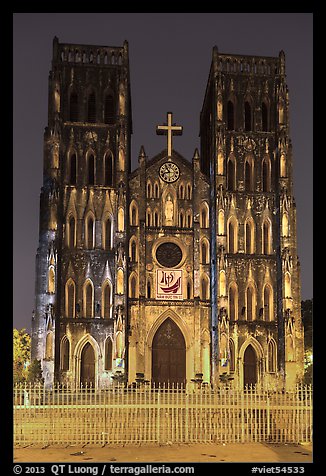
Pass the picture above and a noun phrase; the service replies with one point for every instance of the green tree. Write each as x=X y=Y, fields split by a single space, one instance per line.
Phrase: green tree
x=22 y=355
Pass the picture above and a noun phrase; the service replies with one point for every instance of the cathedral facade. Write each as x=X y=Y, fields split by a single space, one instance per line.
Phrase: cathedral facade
x=181 y=270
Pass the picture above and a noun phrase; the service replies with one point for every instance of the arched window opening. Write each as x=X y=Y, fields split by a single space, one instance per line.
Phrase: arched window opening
x=120 y=284
x=268 y=303
x=156 y=190
x=108 y=354
x=88 y=300
x=89 y=233
x=107 y=301
x=109 y=109
x=267 y=245
x=204 y=252
x=264 y=117
x=204 y=288
x=181 y=219
x=73 y=107
x=108 y=170
x=73 y=169
x=156 y=218
x=266 y=176
x=204 y=216
x=189 y=192
x=231 y=175
x=271 y=351
x=250 y=297
x=248 y=176
x=133 y=287
x=133 y=251
x=189 y=219
x=108 y=234
x=148 y=217
x=181 y=191
x=149 y=190
x=233 y=302
x=91 y=108
x=249 y=242
x=65 y=354
x=232 y=236
x=230 y=116
x=248 y=118
x=70 y=298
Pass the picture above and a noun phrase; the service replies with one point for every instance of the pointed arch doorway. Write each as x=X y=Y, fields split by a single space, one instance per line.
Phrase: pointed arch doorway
x=87 y=365
x=250 y=366
x=168 y=354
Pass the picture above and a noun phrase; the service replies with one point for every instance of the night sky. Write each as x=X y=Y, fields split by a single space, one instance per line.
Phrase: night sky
x=170 y=56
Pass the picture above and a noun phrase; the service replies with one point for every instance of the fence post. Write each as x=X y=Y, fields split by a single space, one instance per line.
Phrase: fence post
x=158 y=415
x=268 y=416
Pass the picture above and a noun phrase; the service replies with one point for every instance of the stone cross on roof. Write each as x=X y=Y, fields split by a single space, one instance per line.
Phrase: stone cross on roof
x=169 y=129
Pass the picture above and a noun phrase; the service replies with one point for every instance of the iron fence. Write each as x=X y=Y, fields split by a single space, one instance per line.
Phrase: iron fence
x=67 y=415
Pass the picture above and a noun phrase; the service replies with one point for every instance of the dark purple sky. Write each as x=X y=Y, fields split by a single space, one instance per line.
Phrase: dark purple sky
x=170 y=56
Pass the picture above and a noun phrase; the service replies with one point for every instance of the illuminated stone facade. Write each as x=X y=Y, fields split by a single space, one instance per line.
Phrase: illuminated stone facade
x=179 y=270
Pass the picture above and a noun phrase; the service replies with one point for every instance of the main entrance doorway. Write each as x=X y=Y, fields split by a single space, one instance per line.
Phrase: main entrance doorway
x=168 y=354
x=250 y=366
x=87 y=368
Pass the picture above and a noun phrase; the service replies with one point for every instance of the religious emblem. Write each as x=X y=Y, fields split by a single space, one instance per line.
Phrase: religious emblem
x=169 y=284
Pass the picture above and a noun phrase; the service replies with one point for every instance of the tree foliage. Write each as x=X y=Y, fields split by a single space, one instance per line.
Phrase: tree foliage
x=23 y=369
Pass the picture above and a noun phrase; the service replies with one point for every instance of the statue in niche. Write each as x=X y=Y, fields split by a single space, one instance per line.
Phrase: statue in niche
x=168 y=211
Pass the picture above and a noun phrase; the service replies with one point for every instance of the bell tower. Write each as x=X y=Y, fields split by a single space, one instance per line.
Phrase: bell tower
x=257 y=335
x=78 y=326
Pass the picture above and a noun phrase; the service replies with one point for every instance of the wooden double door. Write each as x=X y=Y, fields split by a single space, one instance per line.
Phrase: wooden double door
x=87 y=368
x=169 y=354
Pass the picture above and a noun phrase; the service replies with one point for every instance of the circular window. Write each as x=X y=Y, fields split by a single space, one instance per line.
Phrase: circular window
x=168 y=254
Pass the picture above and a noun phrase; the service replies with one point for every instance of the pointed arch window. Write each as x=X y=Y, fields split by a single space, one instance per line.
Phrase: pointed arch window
x=250 y=303
x=133 y=214
x=248 y=116
x=272 y=356
x=49 y=346
x=268 y=303
x=148 y=217
x=204 y=288
x=73 y=107
x=73 y=169
x=88 y=299
x=120 y=281
x=267 y=238
x=221 y=222
x=189 y=192
x=121 y=219
x=285 y=224
x=189 y=218
x=181 y=218
x=91 y=107
x=249 y=175
x=71 y=232
x=70 y=293
x=133 y=287
x=230 y=116
x=204 y=252
x=231 y=175
x=222 y=283
x=133 y=250
x=156 y=190
x=250 y=237
x=108 y=169
x=108 y=354
x=233 y=302
x=266 y=179
x=107 y=300
x=232 y=236
x=89 y=232
x=181 y=191
x=65 y=353
x=109 y=109
x=204 y=217
x=149 y=189
x=108 y=234
x=155 y=218
x=91 y=170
